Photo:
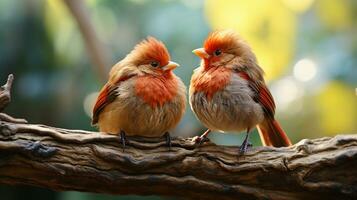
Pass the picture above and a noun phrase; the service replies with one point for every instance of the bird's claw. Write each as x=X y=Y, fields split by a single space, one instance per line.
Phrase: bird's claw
x=123 y=139
x=249 y=145
x=244 y=147
x=168 y=140
x=199 y=140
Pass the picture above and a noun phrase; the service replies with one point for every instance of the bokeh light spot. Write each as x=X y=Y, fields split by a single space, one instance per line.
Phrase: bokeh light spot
x=305 y=70
x=286 y=91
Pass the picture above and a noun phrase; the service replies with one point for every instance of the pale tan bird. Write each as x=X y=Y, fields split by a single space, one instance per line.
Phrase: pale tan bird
x=143 y=97
x=228 y=92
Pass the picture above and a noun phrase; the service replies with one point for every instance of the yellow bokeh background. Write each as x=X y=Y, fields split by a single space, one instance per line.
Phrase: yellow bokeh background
x=336 y=104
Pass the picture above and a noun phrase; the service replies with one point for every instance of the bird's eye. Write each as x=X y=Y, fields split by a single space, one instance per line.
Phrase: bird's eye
x=217 y=52
x=154 y=64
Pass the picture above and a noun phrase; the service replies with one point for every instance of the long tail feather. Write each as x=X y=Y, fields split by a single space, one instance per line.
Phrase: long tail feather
x=272 y=134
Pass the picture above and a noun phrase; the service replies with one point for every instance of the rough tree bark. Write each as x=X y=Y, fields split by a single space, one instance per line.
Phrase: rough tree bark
x=63 y=160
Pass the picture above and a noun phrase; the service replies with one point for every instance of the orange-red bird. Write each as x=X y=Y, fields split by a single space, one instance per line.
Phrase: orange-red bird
x=228 y=92
x=143 y=96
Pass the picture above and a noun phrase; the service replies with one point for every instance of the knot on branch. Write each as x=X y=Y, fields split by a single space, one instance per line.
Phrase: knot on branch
x=5 y=96
x=7 y=130
x=303 y=146
x=39 y=150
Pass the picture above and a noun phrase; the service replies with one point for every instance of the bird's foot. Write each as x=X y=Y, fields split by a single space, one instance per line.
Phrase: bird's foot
x=246 y=145
x=123 y=140
x=168 y=140
x=200 y=139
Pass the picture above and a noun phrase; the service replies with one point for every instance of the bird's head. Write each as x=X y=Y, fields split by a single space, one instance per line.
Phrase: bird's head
x=151 y=57
x=221 y=47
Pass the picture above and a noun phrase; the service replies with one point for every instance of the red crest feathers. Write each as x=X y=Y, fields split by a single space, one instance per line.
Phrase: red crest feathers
x=220 y=40
x=152 y=49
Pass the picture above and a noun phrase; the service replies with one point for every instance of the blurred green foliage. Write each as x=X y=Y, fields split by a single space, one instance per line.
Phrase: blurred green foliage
x=308 y=49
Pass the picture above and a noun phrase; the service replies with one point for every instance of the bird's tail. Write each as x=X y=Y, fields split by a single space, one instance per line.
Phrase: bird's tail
x=272 y=134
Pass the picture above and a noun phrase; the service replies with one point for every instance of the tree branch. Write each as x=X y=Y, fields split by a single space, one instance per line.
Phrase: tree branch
x=64 y=160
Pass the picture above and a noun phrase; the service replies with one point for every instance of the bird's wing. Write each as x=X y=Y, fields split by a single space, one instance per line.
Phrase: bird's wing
x=262 y=94
x=106 y=96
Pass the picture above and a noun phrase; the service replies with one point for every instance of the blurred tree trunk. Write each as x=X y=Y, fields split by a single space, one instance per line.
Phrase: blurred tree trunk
x=95 y=47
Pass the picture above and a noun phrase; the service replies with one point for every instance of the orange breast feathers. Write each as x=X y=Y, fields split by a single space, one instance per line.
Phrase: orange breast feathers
x=211 y=80
x=156 y=90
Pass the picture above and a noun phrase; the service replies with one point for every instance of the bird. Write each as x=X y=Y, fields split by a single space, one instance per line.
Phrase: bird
x=142 y=97
x=228 y=93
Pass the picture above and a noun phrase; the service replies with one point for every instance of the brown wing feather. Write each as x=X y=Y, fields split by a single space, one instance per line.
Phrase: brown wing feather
x=262 y=94
x=266 y=100
x=106 y=96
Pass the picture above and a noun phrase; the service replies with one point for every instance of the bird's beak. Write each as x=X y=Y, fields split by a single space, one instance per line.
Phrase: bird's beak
x=201 y=52
x=170 y=66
